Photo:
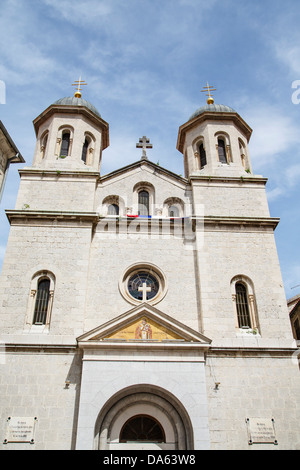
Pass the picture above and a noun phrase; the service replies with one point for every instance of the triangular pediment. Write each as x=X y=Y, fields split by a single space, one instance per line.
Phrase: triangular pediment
x=144 y=324
x=146 y=166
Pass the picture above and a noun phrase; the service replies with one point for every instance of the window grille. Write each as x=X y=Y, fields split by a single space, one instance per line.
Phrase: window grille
x=143 y=203
x=242 y=306
x=41 y=303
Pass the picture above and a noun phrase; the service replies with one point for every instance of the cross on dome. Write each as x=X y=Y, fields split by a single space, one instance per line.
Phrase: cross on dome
x=78 y=83
x=209 y=88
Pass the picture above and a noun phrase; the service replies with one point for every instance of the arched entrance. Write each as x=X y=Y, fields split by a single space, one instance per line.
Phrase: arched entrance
x=143 y=417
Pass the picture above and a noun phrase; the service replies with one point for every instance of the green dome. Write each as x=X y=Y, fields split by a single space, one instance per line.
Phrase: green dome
x=212 y=108
x=73 y=101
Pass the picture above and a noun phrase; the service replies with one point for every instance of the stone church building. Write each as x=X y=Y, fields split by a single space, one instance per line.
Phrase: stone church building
x=142 y=309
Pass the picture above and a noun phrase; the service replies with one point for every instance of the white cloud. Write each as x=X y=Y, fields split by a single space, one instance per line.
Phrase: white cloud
x=81 y=12
x=290 y=56
x=275 y=193
x=274 y=133
x=293 y=175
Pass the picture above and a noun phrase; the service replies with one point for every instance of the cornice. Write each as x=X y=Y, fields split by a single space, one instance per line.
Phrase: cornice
x=19 y=216
x=25 y=216
x=211 y=116
x=229 y=179
x=55 y=173
x=69 y=110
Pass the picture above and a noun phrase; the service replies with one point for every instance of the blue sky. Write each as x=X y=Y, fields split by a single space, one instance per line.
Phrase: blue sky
x=145 y=63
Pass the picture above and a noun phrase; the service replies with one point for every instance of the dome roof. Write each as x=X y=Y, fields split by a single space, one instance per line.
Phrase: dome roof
x=212 y=108
x=73 y=101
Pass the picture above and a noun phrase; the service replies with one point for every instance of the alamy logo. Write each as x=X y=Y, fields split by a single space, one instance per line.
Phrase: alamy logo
x=296 y=94
x=2 y=92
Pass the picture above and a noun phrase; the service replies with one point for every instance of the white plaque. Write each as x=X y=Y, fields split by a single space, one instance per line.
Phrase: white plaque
x=261 y=431
x=20 y=429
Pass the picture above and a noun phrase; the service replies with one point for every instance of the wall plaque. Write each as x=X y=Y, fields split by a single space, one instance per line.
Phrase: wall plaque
x=261 y=431
x=20 y=430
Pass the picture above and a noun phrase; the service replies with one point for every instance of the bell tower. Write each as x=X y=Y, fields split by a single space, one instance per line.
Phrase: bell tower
x=214 y=141
x=70 y=134
x=70 y=138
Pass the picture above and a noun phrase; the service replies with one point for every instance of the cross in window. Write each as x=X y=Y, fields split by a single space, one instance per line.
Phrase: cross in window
x=144 y=143
x=144 y=289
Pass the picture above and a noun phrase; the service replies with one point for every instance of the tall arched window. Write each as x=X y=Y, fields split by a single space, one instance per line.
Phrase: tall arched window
x=84 y=150
x=65 y=144
x=143 y=203
x=41 y=302
x=202 y=154
x=222 y=151
x=242 y=306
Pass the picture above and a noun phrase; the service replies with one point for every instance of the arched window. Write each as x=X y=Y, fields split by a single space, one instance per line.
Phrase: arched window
x=84 y=150
x=65 y=144
x=242 y=306
x=142 y=428
x=222 y=151
x=173 y=211
x=41 y=302
x=113 y=209
x=143 y=203
x=202 y=154
x=243 y=296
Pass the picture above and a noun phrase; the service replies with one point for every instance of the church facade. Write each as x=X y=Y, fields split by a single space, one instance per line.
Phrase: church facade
x=142 y=309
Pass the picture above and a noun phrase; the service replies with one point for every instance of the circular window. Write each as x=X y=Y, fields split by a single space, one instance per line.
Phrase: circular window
x=143 y=283
x=143 y=286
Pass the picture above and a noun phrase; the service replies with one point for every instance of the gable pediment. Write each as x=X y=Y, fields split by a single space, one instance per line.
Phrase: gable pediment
x=143 y=325
x=144 y=166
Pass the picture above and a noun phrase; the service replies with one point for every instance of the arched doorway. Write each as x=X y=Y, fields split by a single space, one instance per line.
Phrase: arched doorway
x=143 y=417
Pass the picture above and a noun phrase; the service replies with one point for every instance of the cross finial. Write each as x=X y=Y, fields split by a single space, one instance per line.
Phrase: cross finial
x=209 y=88
x=144 y=143
x=78 y=83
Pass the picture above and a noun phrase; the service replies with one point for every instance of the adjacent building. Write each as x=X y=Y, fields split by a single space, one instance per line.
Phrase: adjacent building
x=8 y=154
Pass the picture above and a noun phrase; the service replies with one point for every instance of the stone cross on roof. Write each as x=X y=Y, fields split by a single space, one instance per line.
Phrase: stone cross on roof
x=144 y=143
